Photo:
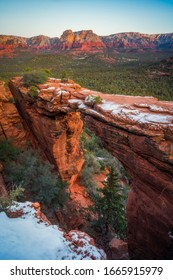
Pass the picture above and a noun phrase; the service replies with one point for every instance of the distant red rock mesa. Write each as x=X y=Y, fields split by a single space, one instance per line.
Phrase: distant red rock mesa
x=87 y=40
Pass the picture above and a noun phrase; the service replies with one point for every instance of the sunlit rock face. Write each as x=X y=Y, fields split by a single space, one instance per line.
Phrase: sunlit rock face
x=84 y=40
x=66 y=40
x=11 y=124
x=137 y=130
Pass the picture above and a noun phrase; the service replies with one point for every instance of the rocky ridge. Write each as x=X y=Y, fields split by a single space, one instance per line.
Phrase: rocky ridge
x=87 y=40
x=136 y=40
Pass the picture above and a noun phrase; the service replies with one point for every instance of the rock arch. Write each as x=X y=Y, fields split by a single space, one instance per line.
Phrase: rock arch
x=137 y=130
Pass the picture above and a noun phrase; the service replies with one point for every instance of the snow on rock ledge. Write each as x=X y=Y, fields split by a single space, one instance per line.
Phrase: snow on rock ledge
x=30 y=236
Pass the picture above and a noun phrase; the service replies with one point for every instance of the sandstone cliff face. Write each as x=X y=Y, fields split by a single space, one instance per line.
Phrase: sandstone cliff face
x=11 y=42
x=39 y=42
x=11 y=125
x=137 y=130
x=54 y=127
x=66 y=40
x=83 y=40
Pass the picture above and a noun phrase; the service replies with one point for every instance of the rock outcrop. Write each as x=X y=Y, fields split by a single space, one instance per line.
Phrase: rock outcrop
x=42 y=42
x=136 y=40
x=119 y=249
x=11 y=124
x=84 y=40
x=67 y=39
x=8 y=44
x=53 y=125
x=137 y=130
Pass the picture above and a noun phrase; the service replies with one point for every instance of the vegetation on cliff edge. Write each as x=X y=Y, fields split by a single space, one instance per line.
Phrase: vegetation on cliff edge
x=26 y=168
x=33 y=78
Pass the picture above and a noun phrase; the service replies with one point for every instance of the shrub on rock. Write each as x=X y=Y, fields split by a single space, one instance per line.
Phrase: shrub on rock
x=34 y=78
x=91 y=100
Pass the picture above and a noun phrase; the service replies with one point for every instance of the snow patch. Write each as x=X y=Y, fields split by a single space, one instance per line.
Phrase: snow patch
x=74 y=101
x=170 y=234
x=27 y=238
x=141 y=105
x=151 y=118
x=82 y=106
x=156 y=108
x=110 y=106
x=85 y=90
x=136 y=115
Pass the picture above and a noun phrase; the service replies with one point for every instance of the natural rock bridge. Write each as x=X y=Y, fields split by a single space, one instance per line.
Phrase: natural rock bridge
x=137 y=130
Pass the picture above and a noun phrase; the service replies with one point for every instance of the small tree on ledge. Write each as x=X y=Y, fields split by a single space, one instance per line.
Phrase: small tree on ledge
x=109 y=205
x=92 y=99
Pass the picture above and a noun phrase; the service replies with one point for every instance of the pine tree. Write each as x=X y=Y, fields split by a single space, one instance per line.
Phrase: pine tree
x=110 y=206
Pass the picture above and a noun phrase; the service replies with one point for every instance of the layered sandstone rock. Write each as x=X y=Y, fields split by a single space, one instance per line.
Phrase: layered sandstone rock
x=136 y=40
x=53 y=125
x=66 y=40
x=8 y=44
x=11 y=125
x=84 y=40
x=139 y=132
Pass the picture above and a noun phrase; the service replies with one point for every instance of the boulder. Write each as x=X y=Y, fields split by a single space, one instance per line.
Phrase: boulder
x=119 y=249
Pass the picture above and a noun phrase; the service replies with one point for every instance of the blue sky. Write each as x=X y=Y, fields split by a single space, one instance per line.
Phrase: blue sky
x=51 y=17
